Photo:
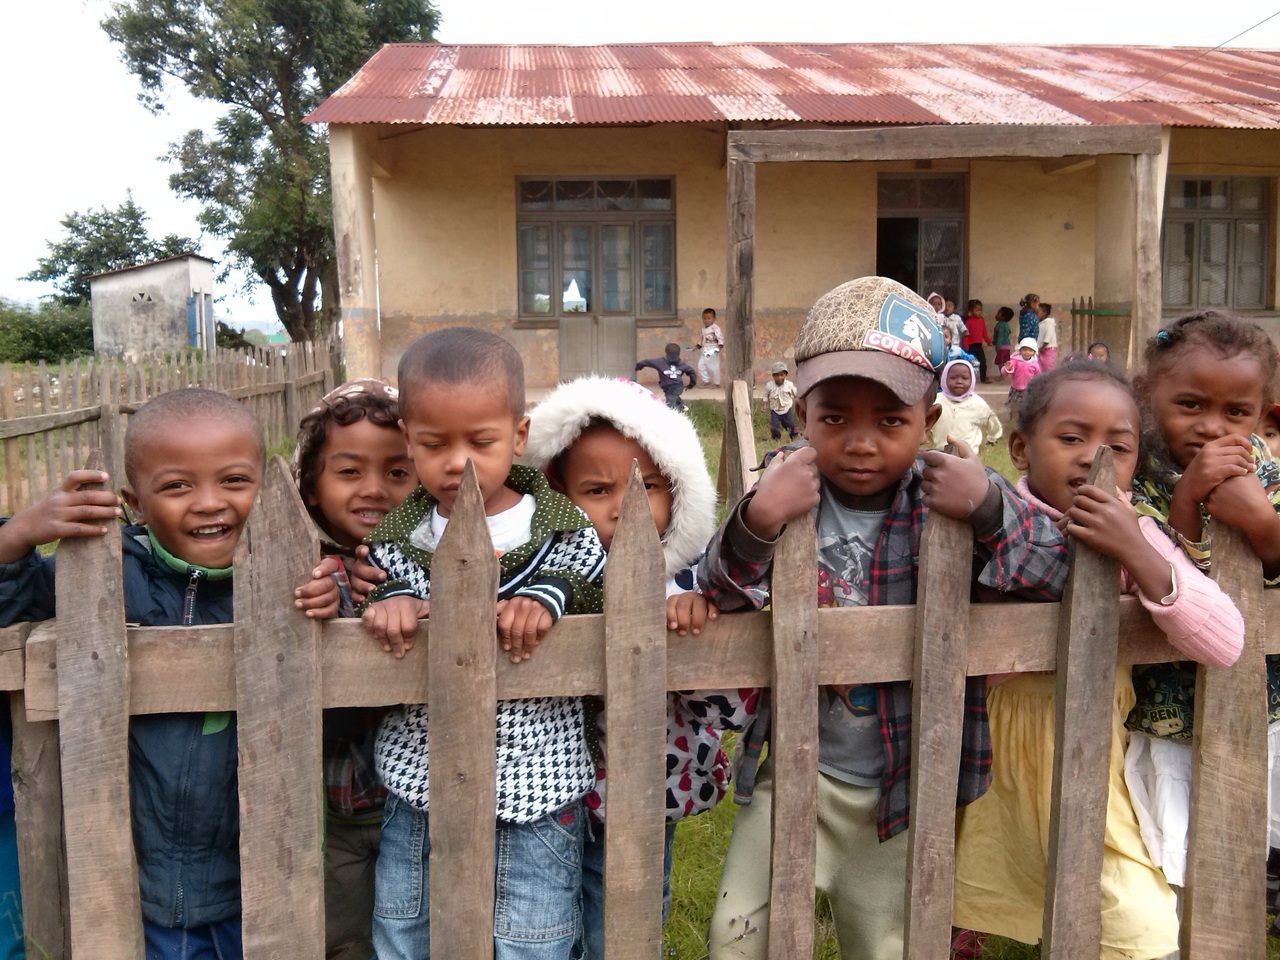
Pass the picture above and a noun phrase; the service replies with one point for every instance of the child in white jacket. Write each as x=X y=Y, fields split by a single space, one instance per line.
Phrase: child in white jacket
x=965 y=415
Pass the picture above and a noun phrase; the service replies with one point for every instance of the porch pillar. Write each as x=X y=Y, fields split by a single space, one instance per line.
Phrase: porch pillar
x=351 y=162
x=739 y=354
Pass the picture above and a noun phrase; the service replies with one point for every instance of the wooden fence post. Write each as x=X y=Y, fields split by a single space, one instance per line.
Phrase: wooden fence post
x=738 y=353
x=793 y=740
x=937 y=728
x=42 y=859
x=462 y=694
x=635 y=656
x=93 y=690
x=278 y=700
x=1224 y=913
x=1088 y=635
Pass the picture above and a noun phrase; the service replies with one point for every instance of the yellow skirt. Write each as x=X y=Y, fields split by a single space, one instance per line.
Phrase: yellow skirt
x=1002 y=838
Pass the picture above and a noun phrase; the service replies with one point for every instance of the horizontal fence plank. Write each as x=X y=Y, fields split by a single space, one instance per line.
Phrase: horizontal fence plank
x=192 y=668
x=44 y=422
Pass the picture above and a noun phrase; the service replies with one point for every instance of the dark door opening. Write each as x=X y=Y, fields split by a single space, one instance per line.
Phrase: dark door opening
x=898 y=249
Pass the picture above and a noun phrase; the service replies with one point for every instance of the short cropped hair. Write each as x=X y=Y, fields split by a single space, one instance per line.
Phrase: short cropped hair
x=710 y=310
x=457 y=355
x=174 y=410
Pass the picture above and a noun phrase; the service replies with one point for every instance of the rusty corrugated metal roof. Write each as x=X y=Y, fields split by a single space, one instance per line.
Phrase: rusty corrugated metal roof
x=534 y=85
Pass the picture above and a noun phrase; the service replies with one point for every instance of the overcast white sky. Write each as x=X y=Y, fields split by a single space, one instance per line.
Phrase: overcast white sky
x=80 y=139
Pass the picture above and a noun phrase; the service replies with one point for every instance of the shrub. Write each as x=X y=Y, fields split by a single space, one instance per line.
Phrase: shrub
x=49 y=332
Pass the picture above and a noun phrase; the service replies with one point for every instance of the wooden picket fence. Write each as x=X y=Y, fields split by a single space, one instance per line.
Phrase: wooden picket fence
x=50 y=417
x=76 y=681
x=1112 y=324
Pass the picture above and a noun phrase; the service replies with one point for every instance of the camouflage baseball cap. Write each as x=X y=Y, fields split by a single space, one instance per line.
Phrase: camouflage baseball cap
x=871 y=327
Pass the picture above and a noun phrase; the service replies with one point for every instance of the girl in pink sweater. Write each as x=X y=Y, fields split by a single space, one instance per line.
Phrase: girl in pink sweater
x=1020 y=369
x=1002 y=843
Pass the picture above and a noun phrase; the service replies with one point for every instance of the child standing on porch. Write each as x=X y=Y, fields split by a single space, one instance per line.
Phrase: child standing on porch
x=710 y=343
x=462 y=398
x=193 y=463
x=1002 y=841
x=866 y=359
x=1001 y=336
x=1048 y=336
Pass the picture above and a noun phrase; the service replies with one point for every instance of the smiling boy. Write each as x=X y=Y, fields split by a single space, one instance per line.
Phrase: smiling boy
x=462 y=398
x=866 y=361
x=194 y=461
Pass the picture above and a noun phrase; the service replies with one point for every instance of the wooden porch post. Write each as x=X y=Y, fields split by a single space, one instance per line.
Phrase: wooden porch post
x=1147 y=281
x=351 y=171
x=739 y=350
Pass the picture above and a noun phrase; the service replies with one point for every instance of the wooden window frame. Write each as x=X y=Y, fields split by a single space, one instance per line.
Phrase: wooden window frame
x=597 y=218
x=1234 y=218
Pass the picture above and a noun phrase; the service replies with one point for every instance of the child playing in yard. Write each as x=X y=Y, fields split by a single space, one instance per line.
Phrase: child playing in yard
x=1047 y=336
x=1001 y=337
x=780 y=396
x=462 y=398
x=710 y=343
x=1002 y=841
x=1207 y=380
x=672 y=371
x=193 y=463
x=352 y=468
x=586 y=435
x=963 y=415
x=976 y=339
x=866 y=359
x=1029 y=318
x=1099 y=352
x=1020 y=370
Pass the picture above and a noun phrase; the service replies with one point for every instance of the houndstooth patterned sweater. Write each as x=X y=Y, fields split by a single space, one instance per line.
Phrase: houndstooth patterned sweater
x=543 y=760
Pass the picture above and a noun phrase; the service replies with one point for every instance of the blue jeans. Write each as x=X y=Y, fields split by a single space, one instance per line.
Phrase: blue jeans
x=213 y=941
x=593 y=888
x=536 y=913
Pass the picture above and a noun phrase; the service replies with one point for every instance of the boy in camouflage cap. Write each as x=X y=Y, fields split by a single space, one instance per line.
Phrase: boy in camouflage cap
x=866 y=361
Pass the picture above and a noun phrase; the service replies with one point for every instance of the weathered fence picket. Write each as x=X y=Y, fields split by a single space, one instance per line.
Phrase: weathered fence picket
x=48 y=423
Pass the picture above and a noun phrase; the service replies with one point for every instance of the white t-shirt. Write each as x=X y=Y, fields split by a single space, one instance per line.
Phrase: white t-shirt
x=507 y=529
x=1049 y=333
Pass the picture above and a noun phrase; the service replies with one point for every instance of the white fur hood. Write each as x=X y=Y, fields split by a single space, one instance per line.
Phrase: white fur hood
x=667 y=435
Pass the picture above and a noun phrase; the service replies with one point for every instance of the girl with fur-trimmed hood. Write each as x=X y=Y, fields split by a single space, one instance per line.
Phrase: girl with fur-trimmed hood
x=585 y=436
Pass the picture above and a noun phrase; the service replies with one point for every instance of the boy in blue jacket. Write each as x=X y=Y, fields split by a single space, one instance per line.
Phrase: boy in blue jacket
x=194 y=461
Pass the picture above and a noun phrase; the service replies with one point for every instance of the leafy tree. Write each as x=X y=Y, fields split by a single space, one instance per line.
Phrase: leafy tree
x=49 y=332
x=261 y=174
x=99 y=240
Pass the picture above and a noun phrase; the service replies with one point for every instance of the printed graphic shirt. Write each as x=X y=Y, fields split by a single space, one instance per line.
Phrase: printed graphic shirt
x=711 y=339
x=543 y=761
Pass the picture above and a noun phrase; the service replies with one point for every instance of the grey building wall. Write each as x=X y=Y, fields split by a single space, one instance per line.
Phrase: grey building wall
x=144 y=309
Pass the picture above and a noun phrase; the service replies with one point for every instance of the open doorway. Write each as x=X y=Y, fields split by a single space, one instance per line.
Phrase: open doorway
x=920 y=231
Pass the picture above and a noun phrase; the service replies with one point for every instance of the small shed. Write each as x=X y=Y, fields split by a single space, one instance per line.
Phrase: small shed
x=156 y=307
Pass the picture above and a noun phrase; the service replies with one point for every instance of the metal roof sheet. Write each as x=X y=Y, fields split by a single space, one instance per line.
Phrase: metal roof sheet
x=533 y=85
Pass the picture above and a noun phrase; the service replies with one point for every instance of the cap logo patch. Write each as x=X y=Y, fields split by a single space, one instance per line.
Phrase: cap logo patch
x=907 y=332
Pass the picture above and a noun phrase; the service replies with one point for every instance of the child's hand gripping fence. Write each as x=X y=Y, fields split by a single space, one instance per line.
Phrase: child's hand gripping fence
x=283 y=677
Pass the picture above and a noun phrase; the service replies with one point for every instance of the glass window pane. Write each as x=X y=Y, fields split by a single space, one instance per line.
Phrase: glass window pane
x=534 y=253
x=1183 y=194
x=535 y=195
x=1215 y=240
x=1250 y=194
x=657 y=245
x=941 y=193
x=654 y=194
x=617 y=194
x=1215 y=194
x=1179 y=253
x=575 y=194
x=575 y=268
x=1251 y=267
x=615 y=268
x=898 y=193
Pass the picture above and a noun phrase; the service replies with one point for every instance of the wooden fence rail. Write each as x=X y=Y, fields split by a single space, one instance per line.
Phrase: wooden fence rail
x=50 y=418
x=278 y=670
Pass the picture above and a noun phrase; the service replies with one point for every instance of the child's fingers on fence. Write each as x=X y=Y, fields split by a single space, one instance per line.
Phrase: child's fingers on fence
x=318 y=598
x=78 y=478
x=363 y=575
